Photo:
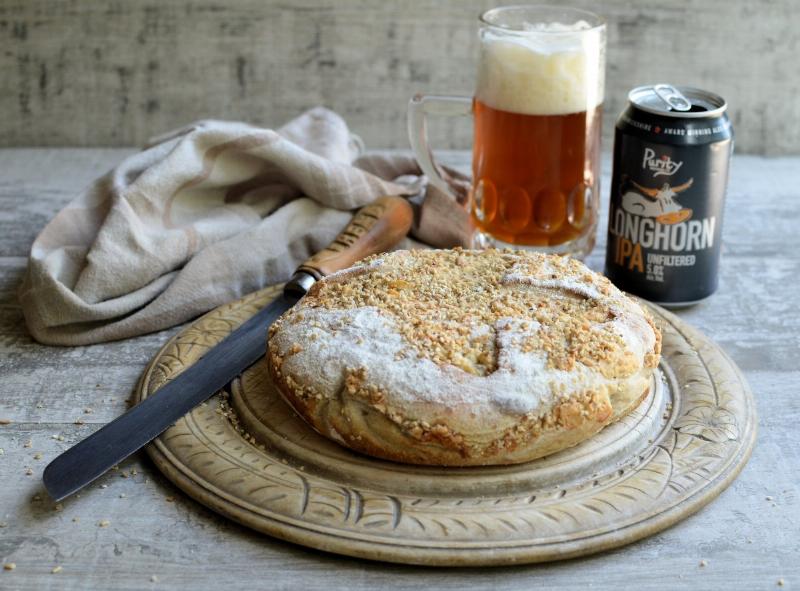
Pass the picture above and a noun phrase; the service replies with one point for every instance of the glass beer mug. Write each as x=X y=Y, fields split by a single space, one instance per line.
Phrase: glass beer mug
x=536 y=111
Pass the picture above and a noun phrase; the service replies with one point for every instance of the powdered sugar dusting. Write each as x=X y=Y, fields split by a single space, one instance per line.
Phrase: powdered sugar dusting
x=635 y=332
x=567 y=284
x=338 y=340
x=547 y=275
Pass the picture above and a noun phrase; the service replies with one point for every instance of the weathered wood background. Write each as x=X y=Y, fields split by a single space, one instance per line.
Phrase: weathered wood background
x=115 y=73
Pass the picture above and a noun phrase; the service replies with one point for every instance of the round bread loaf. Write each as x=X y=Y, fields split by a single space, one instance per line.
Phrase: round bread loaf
x=462 y=358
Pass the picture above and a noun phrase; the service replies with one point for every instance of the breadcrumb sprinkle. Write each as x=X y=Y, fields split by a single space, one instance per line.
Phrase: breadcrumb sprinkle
x=444 y=300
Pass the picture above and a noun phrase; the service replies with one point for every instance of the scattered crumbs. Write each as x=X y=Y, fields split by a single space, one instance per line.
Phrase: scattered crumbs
x=88 y=411
x=703 y=563
x=749 y=540
x=170 y=499
x=58 y=507
x=154 y=579
x=5 y=421
x=123 y=496
x=79 y=422
x=103 y=523
x=56 y=569
x=2 y=451
x=302 y=468
x=781 y=582
x=29 y=471
x=76 y=519
x=123 y=474
x=103 y=486
x=283 y=461
x=134 y=472
x=97 y=386
x=37 y=456
x=769 y=498
x=39 y=405
x=37 y=497
x=3 y=524
x=115 y=467
x=57 y=437
x=27 y=443
x=9 y=566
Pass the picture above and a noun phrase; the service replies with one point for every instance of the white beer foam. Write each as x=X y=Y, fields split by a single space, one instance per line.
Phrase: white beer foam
x=556 y=27
x=559 y=72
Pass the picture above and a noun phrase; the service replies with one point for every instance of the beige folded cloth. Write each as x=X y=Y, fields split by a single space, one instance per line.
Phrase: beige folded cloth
x=206 y=215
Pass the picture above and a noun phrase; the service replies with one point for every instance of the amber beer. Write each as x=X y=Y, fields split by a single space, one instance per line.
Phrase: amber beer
x=536 y=151
x=536 y=175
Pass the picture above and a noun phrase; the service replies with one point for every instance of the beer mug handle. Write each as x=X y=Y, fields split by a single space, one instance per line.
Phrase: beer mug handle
x=418 y=109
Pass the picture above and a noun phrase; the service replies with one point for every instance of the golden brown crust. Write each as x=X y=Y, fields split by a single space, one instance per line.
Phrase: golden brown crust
x=572 y=319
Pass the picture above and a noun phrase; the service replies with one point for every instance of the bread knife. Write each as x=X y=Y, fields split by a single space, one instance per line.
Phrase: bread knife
x=375 y=228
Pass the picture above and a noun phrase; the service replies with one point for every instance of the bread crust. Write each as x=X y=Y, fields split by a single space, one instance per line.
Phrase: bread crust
x=372 y=409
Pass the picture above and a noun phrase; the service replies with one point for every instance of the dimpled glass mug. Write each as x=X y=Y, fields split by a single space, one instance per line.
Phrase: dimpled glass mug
x=536 y=112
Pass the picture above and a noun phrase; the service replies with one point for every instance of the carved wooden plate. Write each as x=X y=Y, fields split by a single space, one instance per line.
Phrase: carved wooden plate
x=685 y=443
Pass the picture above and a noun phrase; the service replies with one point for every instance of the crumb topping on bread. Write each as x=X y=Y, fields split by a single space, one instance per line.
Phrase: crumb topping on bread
x=449 y=305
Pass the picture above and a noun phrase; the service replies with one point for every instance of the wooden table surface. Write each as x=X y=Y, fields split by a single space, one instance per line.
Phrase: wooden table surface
x=133 y=530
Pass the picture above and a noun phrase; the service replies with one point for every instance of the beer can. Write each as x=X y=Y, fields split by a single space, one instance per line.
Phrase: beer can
x=672 y=149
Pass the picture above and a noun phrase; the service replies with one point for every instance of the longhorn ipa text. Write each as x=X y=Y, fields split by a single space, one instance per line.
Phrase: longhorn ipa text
x=536 y=153
x=672 y=147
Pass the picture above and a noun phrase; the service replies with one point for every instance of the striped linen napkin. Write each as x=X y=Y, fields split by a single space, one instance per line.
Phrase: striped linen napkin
x=207 y=214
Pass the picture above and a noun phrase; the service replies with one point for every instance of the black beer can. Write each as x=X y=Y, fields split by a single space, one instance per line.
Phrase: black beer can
x=672 y=148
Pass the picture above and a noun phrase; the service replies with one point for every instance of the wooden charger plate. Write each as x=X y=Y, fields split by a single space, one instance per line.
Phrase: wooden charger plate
x=671 y=456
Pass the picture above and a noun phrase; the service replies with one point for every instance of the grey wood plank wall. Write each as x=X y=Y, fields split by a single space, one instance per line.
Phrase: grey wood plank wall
x=86 y=73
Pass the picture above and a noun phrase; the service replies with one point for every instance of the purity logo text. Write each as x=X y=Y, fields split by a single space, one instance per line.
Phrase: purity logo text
x=663 y=166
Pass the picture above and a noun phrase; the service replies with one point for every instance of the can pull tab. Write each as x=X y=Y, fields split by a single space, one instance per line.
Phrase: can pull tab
x=672 y=97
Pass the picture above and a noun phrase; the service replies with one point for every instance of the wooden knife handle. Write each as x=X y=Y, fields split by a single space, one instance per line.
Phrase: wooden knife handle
x=375 y=228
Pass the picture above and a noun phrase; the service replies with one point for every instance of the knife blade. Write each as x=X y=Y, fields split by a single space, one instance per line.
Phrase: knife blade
x=375 y=228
